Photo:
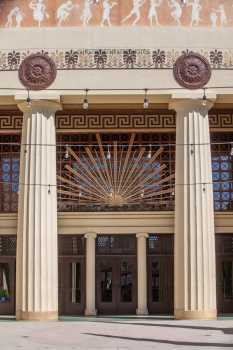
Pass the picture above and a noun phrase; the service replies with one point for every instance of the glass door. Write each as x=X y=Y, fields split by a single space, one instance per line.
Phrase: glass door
x=106 y=285
x=225 y=285
x=160 y=264
x=7 y=286
x=127 y=287
x=71 y=286
x=224 y=273
x=116 y=285
x=160 y=285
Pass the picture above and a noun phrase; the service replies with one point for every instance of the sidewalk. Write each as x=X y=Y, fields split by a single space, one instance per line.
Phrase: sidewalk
x=117 y=333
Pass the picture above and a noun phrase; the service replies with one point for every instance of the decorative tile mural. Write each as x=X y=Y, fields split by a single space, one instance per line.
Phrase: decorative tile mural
x=52 y=13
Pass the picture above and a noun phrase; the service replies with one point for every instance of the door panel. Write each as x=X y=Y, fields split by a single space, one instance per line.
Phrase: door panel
x=105 y=285
x=224 y=273
x=225 y=285
x=160 y=264
x=71 y=286
x=127 y=295
x=116 y=285
x=7 y=286
x=160 y=285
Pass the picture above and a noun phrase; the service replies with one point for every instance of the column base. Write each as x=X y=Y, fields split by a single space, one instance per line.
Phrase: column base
x=195 y=315
x=37 y=316
x=90 y=312
x=142 y=312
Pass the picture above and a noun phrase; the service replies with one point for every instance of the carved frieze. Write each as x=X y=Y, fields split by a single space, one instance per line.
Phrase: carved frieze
x=192 y=71
x=37 y=71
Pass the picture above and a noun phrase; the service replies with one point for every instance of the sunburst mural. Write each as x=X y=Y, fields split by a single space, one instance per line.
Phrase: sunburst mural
x=115 y=175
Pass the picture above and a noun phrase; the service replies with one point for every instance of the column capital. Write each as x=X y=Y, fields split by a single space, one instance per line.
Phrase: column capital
x=92 y=235
x=142 y=234
x=39 y=106
x=191 y=105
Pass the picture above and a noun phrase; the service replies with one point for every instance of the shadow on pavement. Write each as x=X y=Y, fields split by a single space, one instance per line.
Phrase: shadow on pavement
x=161 y=341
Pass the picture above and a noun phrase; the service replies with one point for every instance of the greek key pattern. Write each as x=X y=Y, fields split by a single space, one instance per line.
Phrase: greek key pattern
x=84 y=59
x=160 y=120
x=221 y=119
x=11 y=122
x=116 y=121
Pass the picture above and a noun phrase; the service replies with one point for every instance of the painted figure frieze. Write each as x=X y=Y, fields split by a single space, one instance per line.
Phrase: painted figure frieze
x=106 y=13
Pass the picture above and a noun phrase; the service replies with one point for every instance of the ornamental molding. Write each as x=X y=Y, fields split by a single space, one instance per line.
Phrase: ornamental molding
x=121 y=59
x=192 y=71
x=37 y=72
x=11 y=121
x=113 y=121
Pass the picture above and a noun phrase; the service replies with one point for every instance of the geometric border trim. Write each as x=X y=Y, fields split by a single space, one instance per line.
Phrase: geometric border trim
x=88 y=59
x=116 y=120
x=110 y=120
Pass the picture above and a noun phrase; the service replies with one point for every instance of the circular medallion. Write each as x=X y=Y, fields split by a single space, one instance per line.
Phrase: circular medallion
x=192 y=71
x=37 y=72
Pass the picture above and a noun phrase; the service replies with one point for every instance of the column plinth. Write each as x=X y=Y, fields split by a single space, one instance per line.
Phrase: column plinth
x=90 y=274
x=195 y=276
x=37 y=263
x=142 y=273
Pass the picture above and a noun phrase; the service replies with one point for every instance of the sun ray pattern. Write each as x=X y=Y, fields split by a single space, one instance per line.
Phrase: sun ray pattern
x=115 y=175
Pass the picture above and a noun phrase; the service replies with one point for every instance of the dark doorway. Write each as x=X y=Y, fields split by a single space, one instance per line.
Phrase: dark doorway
x=71 y=275
x=160 y=274
x=7 y=274
x=224 y=273
x=116 y=274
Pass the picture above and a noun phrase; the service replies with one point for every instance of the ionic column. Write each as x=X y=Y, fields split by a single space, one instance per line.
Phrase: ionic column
x=142 y=273
x=90 y=274
x=37 y=265
x=195 y=276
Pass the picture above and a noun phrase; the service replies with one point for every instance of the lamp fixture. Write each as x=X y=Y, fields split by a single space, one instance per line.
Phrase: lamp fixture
x=108 y=154
x=146 y=101
x=29 y=101
x=66 y=156
x=231 y=150
x=204 y=99
x=149 y=155
x=85 y=101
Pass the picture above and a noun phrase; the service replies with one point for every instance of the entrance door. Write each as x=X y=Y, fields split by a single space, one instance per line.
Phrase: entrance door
x=116 y=274
x=160 y=274
x=116 y=285
x=71 y=275
x=224 y=273
x=225 y=285
x=7 y=286
x=7 y=274
x=71 y=286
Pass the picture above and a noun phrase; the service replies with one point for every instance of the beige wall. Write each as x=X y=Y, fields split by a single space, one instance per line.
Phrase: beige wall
x=116 y=223
x=170 y=39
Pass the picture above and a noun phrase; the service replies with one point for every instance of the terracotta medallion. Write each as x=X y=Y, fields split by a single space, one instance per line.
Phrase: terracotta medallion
x=192 y=71
x=37 y=72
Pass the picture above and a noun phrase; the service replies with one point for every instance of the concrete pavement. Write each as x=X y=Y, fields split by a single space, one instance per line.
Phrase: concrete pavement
x=119 y=333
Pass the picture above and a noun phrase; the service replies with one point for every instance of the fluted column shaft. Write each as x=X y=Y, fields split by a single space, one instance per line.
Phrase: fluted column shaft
x=37 y=277
x=142 y=273
x=195 y=276
x=90 y=274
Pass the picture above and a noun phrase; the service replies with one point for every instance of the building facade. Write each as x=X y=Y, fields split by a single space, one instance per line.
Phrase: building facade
x=116 y=151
